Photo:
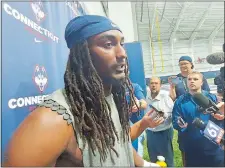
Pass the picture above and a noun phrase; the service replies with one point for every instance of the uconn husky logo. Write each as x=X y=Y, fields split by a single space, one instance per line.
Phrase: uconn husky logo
x=40 y=77
x=37 y=7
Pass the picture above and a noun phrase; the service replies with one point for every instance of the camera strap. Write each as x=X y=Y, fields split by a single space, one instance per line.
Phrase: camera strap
x=184 y=80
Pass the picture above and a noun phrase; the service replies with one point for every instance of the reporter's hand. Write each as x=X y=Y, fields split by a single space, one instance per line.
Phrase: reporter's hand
x=219 y=116
x=172 y=86
x=151 y=122
x=181 y=125
x=220 y=105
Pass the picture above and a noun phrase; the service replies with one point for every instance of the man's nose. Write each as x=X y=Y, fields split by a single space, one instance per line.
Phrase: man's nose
x=120 y=52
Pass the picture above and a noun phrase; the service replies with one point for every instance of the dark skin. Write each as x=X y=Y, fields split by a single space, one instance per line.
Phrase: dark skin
x=36 y=142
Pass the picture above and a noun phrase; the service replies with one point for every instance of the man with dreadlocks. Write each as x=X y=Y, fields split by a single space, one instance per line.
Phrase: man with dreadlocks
x=87 y=122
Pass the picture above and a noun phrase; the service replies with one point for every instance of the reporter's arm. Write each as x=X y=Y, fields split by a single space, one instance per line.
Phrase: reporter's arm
x=172 y=92
x=138 y=92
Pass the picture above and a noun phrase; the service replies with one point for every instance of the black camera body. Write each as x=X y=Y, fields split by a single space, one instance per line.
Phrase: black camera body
x=218 y=80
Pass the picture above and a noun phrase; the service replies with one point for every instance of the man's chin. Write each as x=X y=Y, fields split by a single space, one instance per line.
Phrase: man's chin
x=184 y=70
x=193 y=89
x=155 y=92
x=115 y=79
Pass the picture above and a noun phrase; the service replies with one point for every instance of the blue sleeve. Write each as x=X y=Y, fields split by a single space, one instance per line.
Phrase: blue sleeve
x=135 y=117
x=175 y=114
x=138 y=92
x=214 y=98
x=205 y=85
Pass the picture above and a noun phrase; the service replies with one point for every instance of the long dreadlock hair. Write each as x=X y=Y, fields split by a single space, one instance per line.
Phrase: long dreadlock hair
x=91 y=112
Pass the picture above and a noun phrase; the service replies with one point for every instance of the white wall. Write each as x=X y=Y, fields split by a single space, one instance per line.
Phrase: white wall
x=121 y=14
x=94 y=8
x=199 y=49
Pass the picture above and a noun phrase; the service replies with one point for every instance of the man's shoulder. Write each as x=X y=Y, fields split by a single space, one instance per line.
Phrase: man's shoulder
x=179 y=75
x=49 y=116
x=136 y=86
x=164 y=94
x=181 y=98
x=210 y=95
x=55 y=105
x=44 y=128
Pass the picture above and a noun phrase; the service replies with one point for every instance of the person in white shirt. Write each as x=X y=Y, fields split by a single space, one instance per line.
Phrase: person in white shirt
x=159 y=139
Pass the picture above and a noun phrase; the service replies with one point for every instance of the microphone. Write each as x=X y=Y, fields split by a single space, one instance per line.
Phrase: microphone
x=206 y=105
x=211 y=131
x=215 y=58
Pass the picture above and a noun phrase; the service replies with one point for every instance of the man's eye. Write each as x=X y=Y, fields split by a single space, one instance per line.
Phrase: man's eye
x=108 y=44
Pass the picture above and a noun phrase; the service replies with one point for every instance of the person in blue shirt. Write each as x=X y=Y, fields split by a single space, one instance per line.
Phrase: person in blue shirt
x=137 y=115
x=176 y=90
x=199 y=151
x=186 y=67
x=140 y=101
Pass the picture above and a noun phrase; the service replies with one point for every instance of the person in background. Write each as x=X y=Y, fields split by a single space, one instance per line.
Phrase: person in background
x=159 y=139
x=137 y=114
x=176 y=90
x=186 y=67
x=220 y=82
x=199 y=150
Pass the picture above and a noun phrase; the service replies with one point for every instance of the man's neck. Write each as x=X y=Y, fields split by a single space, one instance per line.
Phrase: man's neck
x=154 y=94
x=185 y=74
x=192 y=92
x=107 y=89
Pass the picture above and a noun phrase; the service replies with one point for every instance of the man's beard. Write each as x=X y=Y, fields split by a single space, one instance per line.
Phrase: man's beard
x=155 y=92
x=113 y=81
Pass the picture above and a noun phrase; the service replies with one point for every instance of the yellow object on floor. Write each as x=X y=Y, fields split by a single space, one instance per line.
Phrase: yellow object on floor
x=161 y=161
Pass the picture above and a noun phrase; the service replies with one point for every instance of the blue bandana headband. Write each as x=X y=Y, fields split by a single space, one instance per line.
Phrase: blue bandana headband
x=82 y=27
x=185 y=58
